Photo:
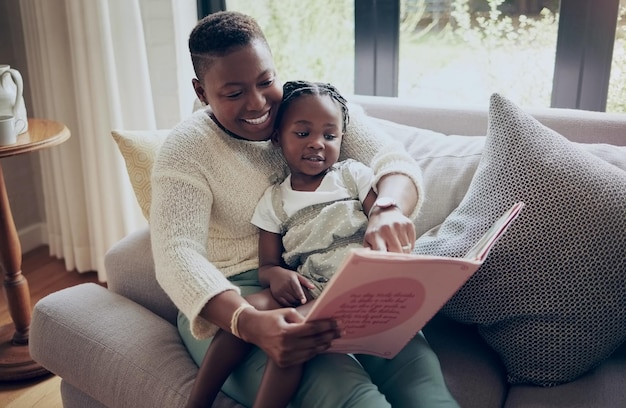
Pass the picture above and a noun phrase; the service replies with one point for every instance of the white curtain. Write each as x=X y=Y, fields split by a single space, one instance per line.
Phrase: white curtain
x=89 y=67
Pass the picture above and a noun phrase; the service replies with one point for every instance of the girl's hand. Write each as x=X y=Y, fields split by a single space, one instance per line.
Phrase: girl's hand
x=389 y=230
x=283 y=335
x=287 y=287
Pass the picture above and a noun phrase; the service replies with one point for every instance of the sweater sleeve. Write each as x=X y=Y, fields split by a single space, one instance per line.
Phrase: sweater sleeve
x=179 y=225
x=366 y=142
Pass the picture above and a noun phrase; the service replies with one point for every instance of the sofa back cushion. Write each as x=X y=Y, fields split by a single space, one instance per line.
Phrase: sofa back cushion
x=577 y=125
x=448 y=162
x=130 y=273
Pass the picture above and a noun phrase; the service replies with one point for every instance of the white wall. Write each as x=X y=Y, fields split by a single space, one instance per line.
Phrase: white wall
x=167 y=24
x=22 y=173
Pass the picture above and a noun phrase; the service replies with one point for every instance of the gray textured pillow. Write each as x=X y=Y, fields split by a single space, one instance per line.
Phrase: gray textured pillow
x=551 y=296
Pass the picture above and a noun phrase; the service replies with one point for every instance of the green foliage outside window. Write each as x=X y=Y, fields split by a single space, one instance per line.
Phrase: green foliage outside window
x=466 y=52
x=481 y=52
x=311 y=40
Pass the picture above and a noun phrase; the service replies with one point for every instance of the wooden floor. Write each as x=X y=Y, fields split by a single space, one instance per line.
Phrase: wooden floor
x=45 y=275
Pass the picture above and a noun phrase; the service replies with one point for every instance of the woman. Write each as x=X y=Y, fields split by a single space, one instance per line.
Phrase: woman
x=208 y=177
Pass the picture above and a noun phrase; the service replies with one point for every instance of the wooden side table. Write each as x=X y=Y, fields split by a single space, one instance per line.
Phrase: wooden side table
x=15 y=360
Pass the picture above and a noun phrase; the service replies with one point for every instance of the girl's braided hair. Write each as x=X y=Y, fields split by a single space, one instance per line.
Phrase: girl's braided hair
x=294 y=89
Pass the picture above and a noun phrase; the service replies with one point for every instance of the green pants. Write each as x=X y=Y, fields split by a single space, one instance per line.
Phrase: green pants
x=412 y=379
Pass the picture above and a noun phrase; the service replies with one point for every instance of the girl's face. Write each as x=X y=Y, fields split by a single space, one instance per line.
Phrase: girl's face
x=243 y=91
x=310 y=137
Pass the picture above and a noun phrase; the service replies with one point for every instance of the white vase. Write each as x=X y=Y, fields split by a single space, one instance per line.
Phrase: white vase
x=12 y=98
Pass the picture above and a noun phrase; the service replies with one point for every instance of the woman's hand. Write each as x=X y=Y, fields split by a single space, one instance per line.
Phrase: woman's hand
x=390 y=230
x=283 y=335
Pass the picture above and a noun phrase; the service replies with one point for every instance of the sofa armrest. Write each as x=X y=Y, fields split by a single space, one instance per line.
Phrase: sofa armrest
x=130 y=273
x=115 y=350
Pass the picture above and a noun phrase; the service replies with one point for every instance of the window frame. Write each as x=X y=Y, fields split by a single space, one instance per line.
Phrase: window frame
x=584 y=52
x=377 y=47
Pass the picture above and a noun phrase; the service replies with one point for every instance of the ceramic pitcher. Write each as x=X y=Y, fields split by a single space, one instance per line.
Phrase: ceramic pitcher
x=11 y=97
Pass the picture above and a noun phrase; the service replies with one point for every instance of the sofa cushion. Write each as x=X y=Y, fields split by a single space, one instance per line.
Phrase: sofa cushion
x=473 y=371
x=139 y=149
x=600 y=387
x=551 y=296
x=448 y=163
x=126 y=357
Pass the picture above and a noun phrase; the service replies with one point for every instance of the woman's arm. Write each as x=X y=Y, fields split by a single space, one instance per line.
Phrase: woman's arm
x=389 y=227
x=280 y=333
x=397 y=179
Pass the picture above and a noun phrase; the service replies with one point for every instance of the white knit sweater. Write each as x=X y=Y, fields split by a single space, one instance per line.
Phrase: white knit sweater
x=205 y=186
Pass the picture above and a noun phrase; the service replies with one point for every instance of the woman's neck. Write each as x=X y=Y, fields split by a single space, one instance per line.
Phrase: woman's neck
x=228 y=132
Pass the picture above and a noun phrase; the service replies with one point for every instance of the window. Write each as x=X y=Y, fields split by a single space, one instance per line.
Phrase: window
x=463 y=50
x=310 y=40
x=569 y=54
x=617 y=84
x=584 y=52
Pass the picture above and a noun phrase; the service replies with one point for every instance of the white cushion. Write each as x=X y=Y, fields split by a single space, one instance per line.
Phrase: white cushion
x=448 y=163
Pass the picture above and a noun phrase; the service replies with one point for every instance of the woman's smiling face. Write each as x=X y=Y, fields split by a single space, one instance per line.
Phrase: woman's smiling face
x=243 y=91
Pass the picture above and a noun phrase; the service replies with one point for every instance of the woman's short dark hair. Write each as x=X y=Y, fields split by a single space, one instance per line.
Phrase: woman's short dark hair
x=220 y=33
x=293 y=89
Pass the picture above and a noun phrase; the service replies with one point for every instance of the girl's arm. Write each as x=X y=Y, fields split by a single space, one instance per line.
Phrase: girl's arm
x=285 y=285
x=270 y=255
x=369 y=200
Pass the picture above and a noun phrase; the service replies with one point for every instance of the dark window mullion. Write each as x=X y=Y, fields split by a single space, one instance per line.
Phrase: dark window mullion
x=599 y=55
x=376 y=32
x=584 y=53
x=206 y=7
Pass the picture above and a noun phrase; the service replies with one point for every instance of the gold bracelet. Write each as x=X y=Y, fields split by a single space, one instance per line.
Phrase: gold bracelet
x=234 y=321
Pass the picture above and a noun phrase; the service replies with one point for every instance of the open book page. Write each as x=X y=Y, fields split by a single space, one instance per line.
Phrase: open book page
x=484 y=245
x=382 y=299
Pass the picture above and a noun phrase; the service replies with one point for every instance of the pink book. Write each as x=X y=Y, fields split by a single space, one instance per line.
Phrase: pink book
x=382 y=299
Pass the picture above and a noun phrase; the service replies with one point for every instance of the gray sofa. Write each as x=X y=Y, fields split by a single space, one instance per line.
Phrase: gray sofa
x=118 y=347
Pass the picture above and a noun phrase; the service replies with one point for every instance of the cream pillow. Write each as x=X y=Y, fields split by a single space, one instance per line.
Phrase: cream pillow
x=139 y=149
x=447 y=162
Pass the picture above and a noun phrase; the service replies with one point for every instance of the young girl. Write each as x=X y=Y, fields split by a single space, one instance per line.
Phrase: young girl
x=208 y=176
x=307 y=223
